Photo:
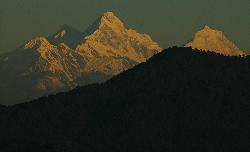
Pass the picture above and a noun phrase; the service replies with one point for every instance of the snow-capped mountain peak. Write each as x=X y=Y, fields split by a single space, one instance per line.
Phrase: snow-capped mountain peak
x=209 y=39
x=110 y=38
x=109 y=19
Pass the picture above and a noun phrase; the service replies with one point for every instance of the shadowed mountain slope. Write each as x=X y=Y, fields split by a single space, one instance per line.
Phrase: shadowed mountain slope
x=179 y=100
x=67 y=35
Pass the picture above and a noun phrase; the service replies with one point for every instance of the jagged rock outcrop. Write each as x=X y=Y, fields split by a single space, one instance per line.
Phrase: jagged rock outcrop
x=209 y=39
x=70 y=58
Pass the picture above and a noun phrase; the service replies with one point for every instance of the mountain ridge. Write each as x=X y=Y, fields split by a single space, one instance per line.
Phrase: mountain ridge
x=69 y=58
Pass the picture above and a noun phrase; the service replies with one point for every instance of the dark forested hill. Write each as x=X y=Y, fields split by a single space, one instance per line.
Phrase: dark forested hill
x=181 y=100
x=2 y=108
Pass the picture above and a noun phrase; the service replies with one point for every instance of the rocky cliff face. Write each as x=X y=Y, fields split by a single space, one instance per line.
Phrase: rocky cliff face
x=209 y=39
x=70 y=58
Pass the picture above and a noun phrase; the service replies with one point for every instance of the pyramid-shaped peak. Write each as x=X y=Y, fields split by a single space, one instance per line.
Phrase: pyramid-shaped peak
x=211 y=32
x=214 y=40
x=206 y=27
x=109 y=19
x=108 y=14
x=209 y=29
x=106 y=20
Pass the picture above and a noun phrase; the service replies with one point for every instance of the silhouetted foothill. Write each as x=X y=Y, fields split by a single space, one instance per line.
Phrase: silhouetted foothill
x=179 y=100
x=2 y=107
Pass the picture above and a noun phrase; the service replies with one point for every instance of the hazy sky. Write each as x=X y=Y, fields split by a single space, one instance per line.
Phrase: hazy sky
x=169 y=22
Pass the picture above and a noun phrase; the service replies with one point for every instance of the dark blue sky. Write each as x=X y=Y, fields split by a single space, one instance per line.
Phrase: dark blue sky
x=169 y=22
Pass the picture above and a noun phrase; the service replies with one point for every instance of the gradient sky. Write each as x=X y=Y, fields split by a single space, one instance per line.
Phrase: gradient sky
x=169 y=22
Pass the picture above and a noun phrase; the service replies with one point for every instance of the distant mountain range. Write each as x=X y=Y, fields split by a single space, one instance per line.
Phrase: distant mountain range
x=180 y=100
x=71 y=58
